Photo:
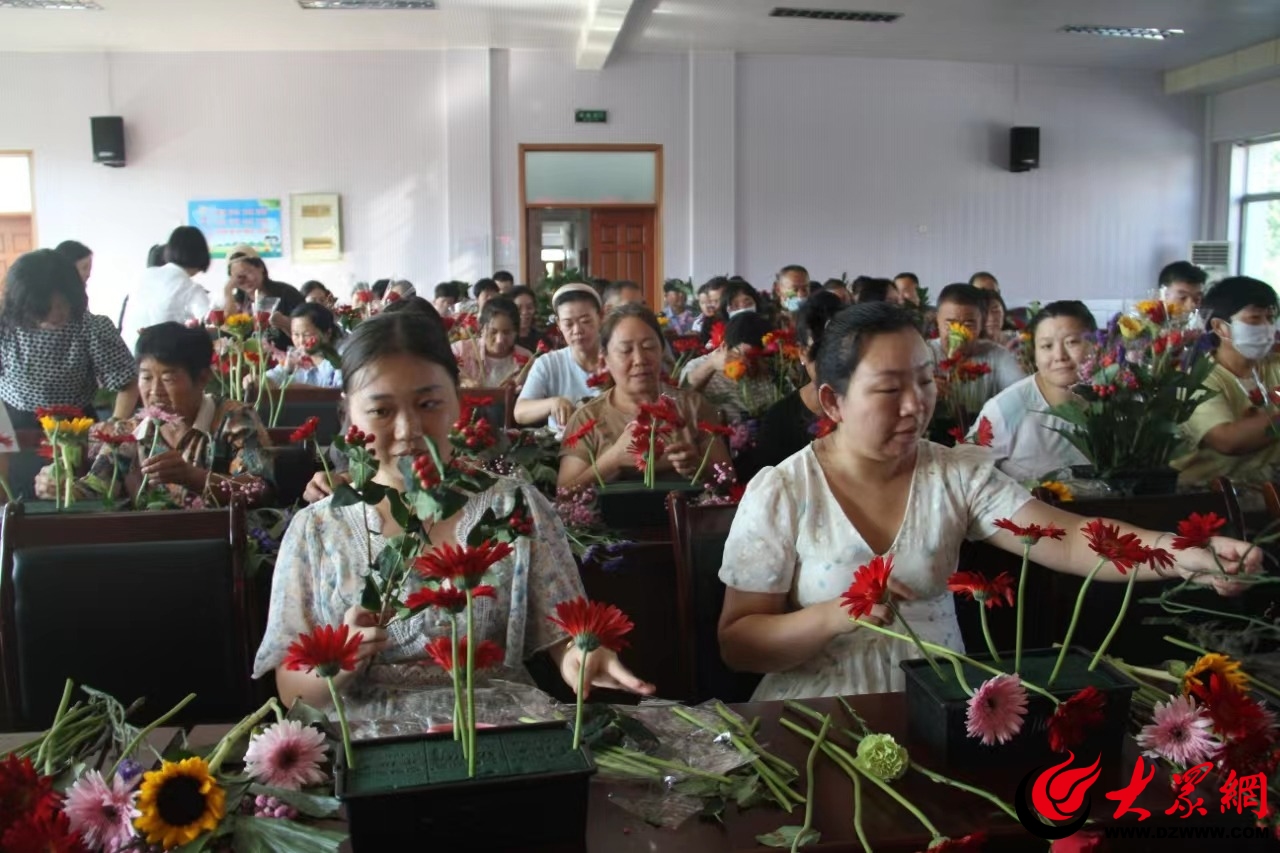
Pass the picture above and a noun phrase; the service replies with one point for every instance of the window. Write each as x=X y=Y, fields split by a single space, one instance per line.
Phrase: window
x=15 y=182
x=1260 y=212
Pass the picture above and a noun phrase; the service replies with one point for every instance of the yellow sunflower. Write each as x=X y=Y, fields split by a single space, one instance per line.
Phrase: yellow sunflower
x=1227 y=668
x=178 y=802
x=66 y=427
x=1059 y=490
x=238 y=325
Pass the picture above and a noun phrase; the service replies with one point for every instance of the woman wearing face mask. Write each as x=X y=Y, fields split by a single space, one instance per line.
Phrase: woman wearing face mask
x=1234 y=433
x=1026 y=444
x=739 y=297
x=493 y=359
x=401 y=384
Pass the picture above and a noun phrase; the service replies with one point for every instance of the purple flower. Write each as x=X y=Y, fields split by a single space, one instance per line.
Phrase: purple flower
x=130 y=771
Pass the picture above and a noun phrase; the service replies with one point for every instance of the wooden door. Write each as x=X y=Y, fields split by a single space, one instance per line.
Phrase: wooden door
x=15 y=240
x=622 y=247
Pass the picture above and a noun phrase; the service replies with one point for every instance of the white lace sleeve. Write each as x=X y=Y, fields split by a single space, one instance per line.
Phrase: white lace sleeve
x=760 y=554
x=293 y=606
x=990 y=494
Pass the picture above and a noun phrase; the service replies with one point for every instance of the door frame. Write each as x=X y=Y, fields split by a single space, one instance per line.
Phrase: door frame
x=656 y=207
x=31 y=178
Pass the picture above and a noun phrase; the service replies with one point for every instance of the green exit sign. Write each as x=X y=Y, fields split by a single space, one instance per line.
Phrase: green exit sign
x=591 y=116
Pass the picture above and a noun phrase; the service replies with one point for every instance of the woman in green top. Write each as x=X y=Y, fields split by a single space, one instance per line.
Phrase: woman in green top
x=1234 y=433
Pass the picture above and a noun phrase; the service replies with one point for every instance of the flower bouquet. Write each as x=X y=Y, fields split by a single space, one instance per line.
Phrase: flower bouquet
x=591 y=541
x=961 y=395
x=94 y=782
x=66 y=432
x=1139 y=386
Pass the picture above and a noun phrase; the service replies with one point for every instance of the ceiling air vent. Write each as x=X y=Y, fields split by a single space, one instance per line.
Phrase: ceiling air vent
x=835 y=15
x=367 y=4
x=1151 y=33
x=69 y=5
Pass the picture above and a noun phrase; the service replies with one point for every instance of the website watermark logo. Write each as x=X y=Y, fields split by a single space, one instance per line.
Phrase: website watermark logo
x=1053 y=802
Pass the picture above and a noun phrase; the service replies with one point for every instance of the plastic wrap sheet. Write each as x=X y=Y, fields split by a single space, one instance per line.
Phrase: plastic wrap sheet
x=418 y=710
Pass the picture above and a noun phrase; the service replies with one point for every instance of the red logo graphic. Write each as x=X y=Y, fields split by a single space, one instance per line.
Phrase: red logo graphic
x=1057 y=794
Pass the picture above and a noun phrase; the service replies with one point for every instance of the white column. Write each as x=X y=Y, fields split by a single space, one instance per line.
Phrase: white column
x=712 y=164
x=469 y=196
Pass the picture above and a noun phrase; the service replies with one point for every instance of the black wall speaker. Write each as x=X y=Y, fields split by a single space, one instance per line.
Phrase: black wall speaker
x=108 y=140
x=1024 y=149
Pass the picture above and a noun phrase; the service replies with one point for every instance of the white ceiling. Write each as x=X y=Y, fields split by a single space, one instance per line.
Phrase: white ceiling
x=1018 y=31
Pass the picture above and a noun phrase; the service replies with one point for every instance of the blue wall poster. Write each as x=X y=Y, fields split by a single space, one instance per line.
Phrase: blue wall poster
x=228 y=223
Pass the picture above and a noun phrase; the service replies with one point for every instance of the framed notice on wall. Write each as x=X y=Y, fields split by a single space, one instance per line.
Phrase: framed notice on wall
x=228 y=223
x=315 y=227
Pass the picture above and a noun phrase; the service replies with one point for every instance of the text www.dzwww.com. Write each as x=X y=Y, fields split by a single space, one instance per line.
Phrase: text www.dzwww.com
x=1236 y=832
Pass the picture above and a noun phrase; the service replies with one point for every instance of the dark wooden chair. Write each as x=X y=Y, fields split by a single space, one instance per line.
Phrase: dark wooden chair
x=25 y=463
x=144 y=604
x=293 y=465
x=699 y=534
x=500 y=411
x=305 y=402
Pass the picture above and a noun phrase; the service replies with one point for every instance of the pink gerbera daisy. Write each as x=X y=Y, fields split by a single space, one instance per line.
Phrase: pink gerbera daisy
x=102 y=814
x=996 y=709
x=287 y=755
x=1180 y=732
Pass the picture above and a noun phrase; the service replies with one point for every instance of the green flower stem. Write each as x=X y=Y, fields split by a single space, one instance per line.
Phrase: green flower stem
x=1022 y=585
x=155 y=441
x=8 y=492
x=879 y=783
x=1144 y=671
x=471 y=687
x=457 y=693
x=937 y=670
x=650 y=761
x=342 y=724
x=1180 y=608
x=69 y=484
x=651 y=461
x=1075 y=618
x=780 y=788
x=51 y=738
x=578 y=701
x=324 y=463
x=747 y=735
x=1115 y=626
x=706 y=454
x=960 y=679
x=809 y=782
x=986 y=631
x=595 y=469
x=943 y=650
x=1183 y=644
x=242 y=728
x=857 y=807
x=617 y=765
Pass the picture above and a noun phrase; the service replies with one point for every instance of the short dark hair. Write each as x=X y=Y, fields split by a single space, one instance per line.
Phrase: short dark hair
x=615 y=288
x=188 y=248
x=447 y=290
x=875 y=290
x=989 y=297
x=577 y=296
x=964 y=294
x=414 y=305
x=812 y=320
x=914 y=278
x=484 y=285
x=503 y=306
x=737 y=287
x=175 y=345
x=846 y=336
x=73 y=250
x=717 y=282
x=1072 y=308
x=982 y=274
x=155 y=255
x=33 y=280
x=522 y=290
x=320 y=316
x=749 y=329
x=625 y=311
x=379 y=288
x=835 y=284
x=253 y=261
x=310 y=287
x=1232 y=295
x=391 y=333
x=796 y=268
x=503 y=275
x=674 y=285
x=1184 y=271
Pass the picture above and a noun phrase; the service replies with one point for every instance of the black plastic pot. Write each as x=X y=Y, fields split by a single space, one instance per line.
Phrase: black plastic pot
x=1154 y=481
x=936 y=710
x=630 y=504
x=529 y=793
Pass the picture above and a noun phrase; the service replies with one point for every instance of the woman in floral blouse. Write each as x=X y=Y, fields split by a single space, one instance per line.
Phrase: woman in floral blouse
x=185 y=448
x=401 y=384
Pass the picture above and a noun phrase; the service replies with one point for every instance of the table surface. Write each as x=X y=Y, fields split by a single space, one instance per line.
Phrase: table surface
x=888 y=826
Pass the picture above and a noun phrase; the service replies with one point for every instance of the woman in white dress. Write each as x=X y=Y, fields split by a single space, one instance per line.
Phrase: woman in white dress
x=873 y=486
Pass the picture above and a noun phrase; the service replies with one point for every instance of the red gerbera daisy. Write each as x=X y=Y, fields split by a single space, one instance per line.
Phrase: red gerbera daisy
x=1123 y=552
x=971 y=843
x=1196 y=530
x=1234 y=713
x=48 y=834
x=113 y=439
x=447 y=597
x=488 y=654
x=664 y=411
x=572 y=439
x=715 y=429
x=592 y=624
x=639 y=449
x=986 y=434
x=870 y=586
x=686 y=345
x=462 y=565
x=957 y=433
x=1159 y=558
x=1254 y=753
x=325 y=650
x=305 y=431
x=24 y=792
x=599 y=380
x=716 y=338
x=1032 y=533
x=823 y=427
x=990 y=591
x=1074 y=718
x=60 y=412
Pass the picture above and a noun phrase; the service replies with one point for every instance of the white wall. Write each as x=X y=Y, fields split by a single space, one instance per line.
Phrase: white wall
x=842 y=164
x=1246 y=113
x=879 y=166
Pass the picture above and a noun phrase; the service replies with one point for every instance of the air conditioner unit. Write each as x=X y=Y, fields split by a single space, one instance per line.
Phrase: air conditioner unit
x=1215 y=257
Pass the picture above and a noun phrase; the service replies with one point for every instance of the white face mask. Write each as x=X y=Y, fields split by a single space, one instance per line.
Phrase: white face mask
x=792 y=303
x=733 y=314
x=1253 y=342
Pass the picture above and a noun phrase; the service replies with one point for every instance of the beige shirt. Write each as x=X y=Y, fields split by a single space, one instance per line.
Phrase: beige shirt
x=612 y=423
x=1229 y=404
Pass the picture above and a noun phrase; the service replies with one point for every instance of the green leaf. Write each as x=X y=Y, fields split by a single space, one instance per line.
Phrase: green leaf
x=373 y=493
x=698 y=786
x=308 y=715
x=785 y=836
x=311 y=805
x=713 y=809
x=401 y=513
x=345 y=495
x=371 y=596
x=271 y=835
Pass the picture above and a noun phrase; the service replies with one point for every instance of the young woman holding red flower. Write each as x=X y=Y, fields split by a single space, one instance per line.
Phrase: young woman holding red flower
x=633 y=348
x=401 y=384
x=493 y=358
x=874 y=487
